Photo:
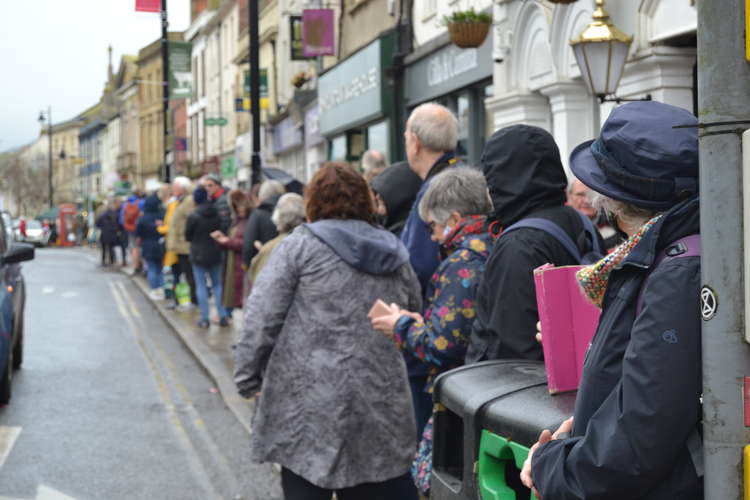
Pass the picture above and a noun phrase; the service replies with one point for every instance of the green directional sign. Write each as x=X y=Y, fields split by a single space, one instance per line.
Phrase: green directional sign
x=212 y=122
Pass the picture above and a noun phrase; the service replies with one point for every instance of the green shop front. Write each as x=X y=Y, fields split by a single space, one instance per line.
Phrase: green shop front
x=356 y=104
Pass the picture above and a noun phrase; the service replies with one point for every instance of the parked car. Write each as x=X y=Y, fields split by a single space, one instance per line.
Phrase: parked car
x=8 y=222
x=35 y=233
x=12 y=304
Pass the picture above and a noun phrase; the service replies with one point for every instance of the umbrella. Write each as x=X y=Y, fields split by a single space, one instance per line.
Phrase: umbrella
x=291 y=184
x=50 y=214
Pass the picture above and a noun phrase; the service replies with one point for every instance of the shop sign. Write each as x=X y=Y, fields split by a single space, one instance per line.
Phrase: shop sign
x=318 y=33
x=447 y=70
x=263 y=86
x=312 y=127
x=228 y=168
x=351 y=92
x=286 y=136
x=296 y=41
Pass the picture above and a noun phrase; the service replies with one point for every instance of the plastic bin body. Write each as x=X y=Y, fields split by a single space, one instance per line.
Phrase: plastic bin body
x=508 y=399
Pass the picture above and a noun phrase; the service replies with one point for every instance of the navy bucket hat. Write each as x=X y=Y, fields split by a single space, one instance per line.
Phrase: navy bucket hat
x=640 y=157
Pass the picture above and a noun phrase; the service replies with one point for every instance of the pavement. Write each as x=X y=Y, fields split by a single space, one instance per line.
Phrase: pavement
x=212 y=348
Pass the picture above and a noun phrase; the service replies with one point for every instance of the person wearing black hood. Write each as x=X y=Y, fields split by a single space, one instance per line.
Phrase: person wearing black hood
x=636 y=430
x=260 y=227
x=526 y=179
x=395 y=189
x=206 y=255
x=334 y=407
x=150 y=241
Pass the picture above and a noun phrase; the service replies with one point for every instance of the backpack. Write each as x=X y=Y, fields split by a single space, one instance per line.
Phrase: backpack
x=549 y=227
x=130 y=216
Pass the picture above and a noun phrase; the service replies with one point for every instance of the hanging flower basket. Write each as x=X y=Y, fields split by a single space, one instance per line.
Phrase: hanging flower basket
x=468 y=29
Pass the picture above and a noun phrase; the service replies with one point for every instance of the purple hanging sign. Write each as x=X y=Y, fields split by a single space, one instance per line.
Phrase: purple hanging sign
x=318 y=33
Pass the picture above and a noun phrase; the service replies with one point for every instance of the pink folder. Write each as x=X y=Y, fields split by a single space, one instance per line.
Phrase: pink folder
x=569 y=321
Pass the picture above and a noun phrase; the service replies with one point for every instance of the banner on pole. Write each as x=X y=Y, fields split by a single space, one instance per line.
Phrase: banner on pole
x=148 y=5
x=318 y=33
x=264 y=102
x=180 y=73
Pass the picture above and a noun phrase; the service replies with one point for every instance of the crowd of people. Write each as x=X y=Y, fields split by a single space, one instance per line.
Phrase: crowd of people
x=400 y=273
x=356 y=295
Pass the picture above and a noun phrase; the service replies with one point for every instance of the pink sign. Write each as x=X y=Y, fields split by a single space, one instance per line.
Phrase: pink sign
x=148 y=5
x=318 y=33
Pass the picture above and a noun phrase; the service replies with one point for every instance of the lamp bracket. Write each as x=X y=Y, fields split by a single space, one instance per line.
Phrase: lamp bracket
x=618 y=100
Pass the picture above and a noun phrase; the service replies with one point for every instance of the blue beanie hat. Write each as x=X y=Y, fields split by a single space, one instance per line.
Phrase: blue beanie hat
x=200 y=195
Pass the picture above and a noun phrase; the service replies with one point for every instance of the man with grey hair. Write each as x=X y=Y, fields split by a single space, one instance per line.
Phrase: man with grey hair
x=259 y=226
x=431 y=136
x=288 y=214
x=373 y=164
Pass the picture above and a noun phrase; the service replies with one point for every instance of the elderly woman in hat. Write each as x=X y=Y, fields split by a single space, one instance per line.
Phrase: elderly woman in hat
x=635 y=432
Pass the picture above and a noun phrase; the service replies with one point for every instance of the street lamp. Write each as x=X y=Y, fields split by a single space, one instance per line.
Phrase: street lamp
x=49 y=139
x=601 y=51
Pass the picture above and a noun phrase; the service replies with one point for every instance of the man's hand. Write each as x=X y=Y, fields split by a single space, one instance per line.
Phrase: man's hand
x=545 y=437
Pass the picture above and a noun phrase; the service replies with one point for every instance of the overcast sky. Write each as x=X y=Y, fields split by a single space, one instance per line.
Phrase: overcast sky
x=54 y=53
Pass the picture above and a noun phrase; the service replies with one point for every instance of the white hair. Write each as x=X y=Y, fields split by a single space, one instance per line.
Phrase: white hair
x=289 y=212
x=435 y=125
x=270 y=188
x=182 y=182
x=459 y=189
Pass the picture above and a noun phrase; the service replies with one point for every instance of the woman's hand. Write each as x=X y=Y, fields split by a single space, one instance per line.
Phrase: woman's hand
x=539 y=331
x=386 y=322
x=545 y=437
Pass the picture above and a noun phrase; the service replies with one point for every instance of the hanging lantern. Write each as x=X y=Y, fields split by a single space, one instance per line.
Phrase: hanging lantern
x=601 y=51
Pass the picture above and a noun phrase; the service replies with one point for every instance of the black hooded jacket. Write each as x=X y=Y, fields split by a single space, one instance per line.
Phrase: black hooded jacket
x=398 y=186
x=204 y=250
x=260 y=227
x=526 y=179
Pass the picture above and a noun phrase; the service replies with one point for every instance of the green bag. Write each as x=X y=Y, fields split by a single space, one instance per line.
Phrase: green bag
x=182 y=293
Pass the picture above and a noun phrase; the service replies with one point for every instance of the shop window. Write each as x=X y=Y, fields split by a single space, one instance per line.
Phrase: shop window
x=338 y=148
x=430 y=9
x=377 y=138
x=356 y=144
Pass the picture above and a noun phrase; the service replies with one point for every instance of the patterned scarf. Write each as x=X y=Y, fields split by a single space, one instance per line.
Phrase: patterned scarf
x=594 y=278
x=467 y=226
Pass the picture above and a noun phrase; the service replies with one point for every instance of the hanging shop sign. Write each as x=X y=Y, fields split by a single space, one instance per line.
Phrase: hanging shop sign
x=180 y=72
x=296 y=45
x=447 y=69
x=312 y=127
x=353 y=92
x=318 y=33
x=286 y=136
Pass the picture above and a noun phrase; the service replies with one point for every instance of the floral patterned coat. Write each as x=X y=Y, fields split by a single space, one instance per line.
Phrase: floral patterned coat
x=441 y=340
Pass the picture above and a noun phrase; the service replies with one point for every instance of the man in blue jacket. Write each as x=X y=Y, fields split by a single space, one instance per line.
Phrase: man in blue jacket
x=431 y=136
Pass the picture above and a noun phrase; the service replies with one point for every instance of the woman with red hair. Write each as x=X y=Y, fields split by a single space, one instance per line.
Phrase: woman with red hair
x=335 y=409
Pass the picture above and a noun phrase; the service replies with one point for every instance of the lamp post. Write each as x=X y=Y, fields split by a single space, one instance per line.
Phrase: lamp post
x=601 y=51
x=49 y=139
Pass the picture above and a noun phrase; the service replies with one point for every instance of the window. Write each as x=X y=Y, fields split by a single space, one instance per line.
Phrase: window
x=430 y=9
x=377 y=138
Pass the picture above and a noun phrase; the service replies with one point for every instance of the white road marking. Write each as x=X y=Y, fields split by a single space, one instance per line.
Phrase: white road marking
x=45 y=493
x=69 y=294
x=8 y=436
x=48 y=289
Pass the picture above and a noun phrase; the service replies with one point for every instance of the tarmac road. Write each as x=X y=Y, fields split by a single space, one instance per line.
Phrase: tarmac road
x=109 y=404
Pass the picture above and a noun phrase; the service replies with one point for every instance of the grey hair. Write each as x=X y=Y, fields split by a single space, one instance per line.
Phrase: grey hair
x=373 y=160
x=270 y=188
x=459 y=189
x=627 y=213
x=289 y=212
x=435 y=125
x=183 y=182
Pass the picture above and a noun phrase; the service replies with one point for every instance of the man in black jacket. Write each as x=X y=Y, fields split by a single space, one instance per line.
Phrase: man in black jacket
x=526 y=179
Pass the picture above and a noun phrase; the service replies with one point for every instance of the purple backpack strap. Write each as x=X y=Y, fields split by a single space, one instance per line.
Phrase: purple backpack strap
x=687 y=246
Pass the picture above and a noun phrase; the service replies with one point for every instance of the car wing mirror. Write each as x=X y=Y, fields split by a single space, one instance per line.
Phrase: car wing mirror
x=18 y=252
